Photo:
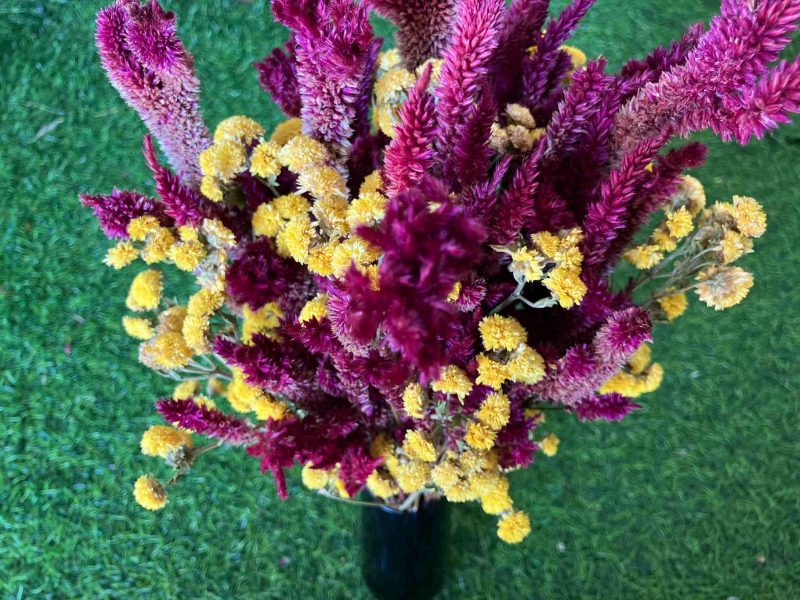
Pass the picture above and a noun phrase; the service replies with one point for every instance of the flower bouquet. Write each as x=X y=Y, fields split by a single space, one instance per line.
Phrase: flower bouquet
x=397 y=283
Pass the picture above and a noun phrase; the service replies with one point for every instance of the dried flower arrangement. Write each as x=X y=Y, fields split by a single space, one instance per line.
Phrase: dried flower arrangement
x=396 y=284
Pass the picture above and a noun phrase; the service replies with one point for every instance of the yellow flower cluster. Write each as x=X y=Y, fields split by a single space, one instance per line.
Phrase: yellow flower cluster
x=316 y=308
x=199 y=310
x=145 y=291
x=414 y=401
x=509 y=358
x=246 y=398
x=518 y=134
x=640 y=375
x=263 y=321
x=161 y=440
x=723 y=287
x=227 y=157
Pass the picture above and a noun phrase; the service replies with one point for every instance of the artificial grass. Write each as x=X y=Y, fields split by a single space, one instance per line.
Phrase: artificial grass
x=697 y=496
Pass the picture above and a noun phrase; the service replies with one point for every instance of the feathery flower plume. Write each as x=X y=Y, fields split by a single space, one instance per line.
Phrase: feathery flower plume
x=150 y=68
x=277 y=75
x=116 y=210
x=423 y=27
x=206 y=421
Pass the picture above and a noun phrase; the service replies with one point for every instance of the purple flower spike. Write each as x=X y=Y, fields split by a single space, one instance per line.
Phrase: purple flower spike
x=277 y=74
x=117 y=209
x=423 y=26
x=206 y=421
x=153 y=72
x=608 y=407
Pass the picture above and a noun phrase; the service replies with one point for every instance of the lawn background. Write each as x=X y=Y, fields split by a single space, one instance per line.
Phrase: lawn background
x=697 y=496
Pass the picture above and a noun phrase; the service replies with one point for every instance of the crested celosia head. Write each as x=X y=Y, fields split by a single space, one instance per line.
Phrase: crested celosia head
x=395 y=285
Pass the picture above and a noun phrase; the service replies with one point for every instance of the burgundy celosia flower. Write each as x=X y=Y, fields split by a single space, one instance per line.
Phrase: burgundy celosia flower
x=277 y=74
x=259 y=276
x=115 y=210
x=423 y=26
x=426 y=252
x=150 y=68
x=607 y=407
x=206 y=421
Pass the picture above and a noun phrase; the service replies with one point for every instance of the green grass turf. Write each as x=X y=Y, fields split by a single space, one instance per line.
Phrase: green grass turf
x=695 y=497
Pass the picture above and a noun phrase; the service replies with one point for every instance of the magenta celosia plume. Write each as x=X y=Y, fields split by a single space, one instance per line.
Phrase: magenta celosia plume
x=397 y=281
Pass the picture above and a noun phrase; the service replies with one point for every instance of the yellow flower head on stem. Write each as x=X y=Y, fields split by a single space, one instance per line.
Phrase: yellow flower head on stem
x=314 y=479
x=286 y=131
x=138 y=327
x=526 y=365
x=121 y=255
x=514 y=527
x=494 y=411
x=501 y=333
x=301 y=152
x=723 y=287
x=453 y=380
x=418 y=447
x=549 y=445
x=316 y=308
x=239 y=128
x=673 y=305
x=679 y=223
x=491 y=372
x=149 y=493
x=480 y=436
x=750 y=218
x=160 y=440
x=264 y=160
x=140 y=227
x=145 y=291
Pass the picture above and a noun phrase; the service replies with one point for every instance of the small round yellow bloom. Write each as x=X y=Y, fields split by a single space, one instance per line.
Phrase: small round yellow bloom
x=268 y=408
x=145 y=291
x=224 y=159
x=566 y=285
x=217 y=234
x=576 y=55
x=393 y=86
x=673 y=305
x=240 y=128
x=549 y=445
x=149 y=493
x=170 y=351
x=491 y=372
x=322 y=181
x=187 y=256
x=418 y=447
x=460 y=492
x=480 y=436
x=547 y=243
x=264 y=161
x=286 y=131
x=121 y=255
x=291 y=205
x=413 y=475
x=494 y=411
x=526 y=366
x=381 y=486
x=501 y=333
x=138 y=327
x=514 y=527
x=140 y=227
x=296 y=237
x=640 y=358
x=750 y=218
x=414 y=401
x=445 y=475
x=262 y=321
x=331 y=212
x=372 y=183
x=172 y=319
x=158 y=245
x=483 y=483
x=353 y=250
x=723 y=287
x=301 y=152
x=733 y=246
x=185 y=390
x=453 y=380
x=316 y=308
x=211 y=189
x=662 y=240
x=160 y=440
x=645 y=256
x=320 y=259
x=679 y=223
x=367 y=209
x=314 y=479
x=497 y=500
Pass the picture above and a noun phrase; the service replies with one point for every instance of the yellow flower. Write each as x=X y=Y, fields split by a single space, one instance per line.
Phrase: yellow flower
x=224 y=159
x=160 y=440
x=170 y=351
x=138 y=327
x=750 y=218
x=372 y=183
x=418 y=447
x=368 y=209
x=577 y=56
x=480 y=436
x=286 y=131
x=445 y=475
x=211 y=189
x=145 y=291
x=549 y=445
x=547 y=243
x=158 y=245
x=640 y=359
x=185 y=390
x=296 y=238
x=316 y=308
x=483 y=483
x=491 y=372
x=392 y=87
x=673 y=305
x=723 y=287
x=501 y=333
x=218 y=235
x=733 y=246
x=291 y=205
x=264 y=161
x=494 y=411
x=497 y=501
x=453 y=380
x=472 y=461
x=661 y=240
x=121 y=255
x=521 y=115
x=187 y=256
x=460 y=492
x=331 y=212
x=261 y=321
x=322 y=181
x=634 y=384
x=566 y=285
x=149 y=493
x=526 y=366
x=691 y=194
x=268 y=408
x=413 y=475
x=301 y=152
x=140 y=227
x=527 y=264
x=645 y=256
x=454 y=293
x=381 y=486
x=320 y=259
x=414 y=401
x=314 y=479
x=194 y=330
x=352 y=250
x=172 y=319
x=239 y=128
x=266 y=220
x=341 y=489
x=514 y=527
x=679 y=223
